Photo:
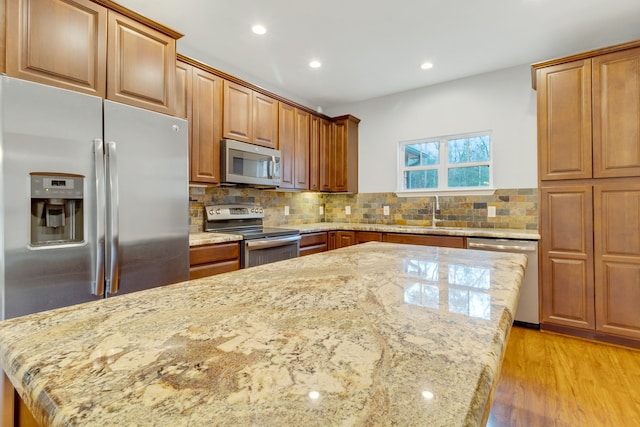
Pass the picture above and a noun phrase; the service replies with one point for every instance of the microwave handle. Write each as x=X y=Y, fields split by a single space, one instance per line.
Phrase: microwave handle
x=272 y=167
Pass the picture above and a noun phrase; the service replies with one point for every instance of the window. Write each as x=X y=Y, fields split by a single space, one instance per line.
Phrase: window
x=454 y=162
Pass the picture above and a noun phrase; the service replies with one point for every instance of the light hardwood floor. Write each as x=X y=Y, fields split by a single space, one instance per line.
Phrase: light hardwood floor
x=549 y=379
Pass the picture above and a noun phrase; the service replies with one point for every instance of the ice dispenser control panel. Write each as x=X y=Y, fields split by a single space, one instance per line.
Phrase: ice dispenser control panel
x=56 y=209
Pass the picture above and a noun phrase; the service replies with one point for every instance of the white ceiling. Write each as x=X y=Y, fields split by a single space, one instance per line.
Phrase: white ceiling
x=371 y=48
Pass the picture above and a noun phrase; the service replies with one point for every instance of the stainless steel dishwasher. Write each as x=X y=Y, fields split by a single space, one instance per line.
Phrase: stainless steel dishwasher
x=528 y=313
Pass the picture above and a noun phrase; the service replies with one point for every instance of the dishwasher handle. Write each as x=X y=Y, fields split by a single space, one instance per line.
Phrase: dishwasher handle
x=498 y=247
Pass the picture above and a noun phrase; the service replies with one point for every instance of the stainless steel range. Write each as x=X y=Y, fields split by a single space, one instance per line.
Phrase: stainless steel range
x=260 y=244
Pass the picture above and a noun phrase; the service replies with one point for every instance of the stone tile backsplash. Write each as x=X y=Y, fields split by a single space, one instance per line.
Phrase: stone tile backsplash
x=515 y=208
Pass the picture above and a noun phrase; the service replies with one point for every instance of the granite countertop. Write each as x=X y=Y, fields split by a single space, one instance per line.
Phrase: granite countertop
x=372 y=334
x=205 y=238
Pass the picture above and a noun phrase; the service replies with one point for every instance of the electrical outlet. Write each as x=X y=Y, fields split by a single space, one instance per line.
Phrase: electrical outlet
x=385 y=209
x=491 y=211
x=286 y=210
x=321 y=210
x=347 y=210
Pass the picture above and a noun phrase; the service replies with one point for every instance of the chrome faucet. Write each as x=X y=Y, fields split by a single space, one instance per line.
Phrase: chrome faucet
x=435 y=209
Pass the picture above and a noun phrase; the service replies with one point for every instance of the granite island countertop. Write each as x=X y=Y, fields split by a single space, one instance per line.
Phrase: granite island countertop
x=204 y=238
x=372 y=334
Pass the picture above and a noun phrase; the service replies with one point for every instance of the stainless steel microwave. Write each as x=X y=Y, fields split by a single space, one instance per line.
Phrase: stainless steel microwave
x=243 y=163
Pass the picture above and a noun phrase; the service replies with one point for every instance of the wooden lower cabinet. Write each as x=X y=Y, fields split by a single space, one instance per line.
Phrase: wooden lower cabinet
x=369 y=236
x=567 y=256
x=207 y=260
x=590 y=258
x=312 y=243
x=341 y=239
x=617 y=258
x=425 y=239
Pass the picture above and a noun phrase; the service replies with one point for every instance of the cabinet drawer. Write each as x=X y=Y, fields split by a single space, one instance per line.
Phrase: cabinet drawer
x=213 y=253
x=369 y=236
x=313 y=249
x=205 y=270
x=313 y=239
x=313 y=243
x=426 y=240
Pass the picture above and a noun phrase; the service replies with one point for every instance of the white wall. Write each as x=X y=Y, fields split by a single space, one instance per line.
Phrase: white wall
x=502 y=101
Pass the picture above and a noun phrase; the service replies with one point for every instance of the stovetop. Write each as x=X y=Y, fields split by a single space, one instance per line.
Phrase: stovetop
x=245 y=220
x=251 y=233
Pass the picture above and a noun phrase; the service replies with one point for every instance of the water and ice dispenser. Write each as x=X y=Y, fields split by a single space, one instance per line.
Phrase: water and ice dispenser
x=56 y=209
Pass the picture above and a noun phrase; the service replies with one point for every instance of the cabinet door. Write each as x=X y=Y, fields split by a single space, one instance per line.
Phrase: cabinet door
x=286 y=145
x=206 y=125
x=564 y=121
x=39 y=48
x=616 y=114
x=142 y=65
x=566 y=227
x=617 y=258
x=183 y=90
x=238 y=112
x=301 y=150
x=345 y=238
x=326 y=155
x=265 y=120
x=314 y=154
x=339 y=148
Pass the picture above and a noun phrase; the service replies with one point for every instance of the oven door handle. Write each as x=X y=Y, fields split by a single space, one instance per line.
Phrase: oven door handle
x=271 y=243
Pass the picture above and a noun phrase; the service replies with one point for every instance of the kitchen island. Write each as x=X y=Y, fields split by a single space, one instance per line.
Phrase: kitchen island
x=373 y=334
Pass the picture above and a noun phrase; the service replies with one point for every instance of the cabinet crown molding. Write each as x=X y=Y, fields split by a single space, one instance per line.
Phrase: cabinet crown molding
x=579 y=56
x=140 y=18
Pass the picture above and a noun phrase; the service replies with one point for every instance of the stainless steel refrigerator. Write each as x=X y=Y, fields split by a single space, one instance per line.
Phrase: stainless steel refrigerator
x=94 y=198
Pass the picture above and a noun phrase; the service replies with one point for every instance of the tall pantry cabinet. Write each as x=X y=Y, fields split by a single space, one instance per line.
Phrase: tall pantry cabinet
x=589 y=180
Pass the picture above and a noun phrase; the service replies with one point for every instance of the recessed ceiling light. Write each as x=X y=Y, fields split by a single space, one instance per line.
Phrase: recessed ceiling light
x=426 y=65
x=315 y=64
x=259 y=29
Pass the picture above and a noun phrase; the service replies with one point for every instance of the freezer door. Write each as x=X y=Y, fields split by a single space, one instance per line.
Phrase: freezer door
x=45 y=130
x=147 y=198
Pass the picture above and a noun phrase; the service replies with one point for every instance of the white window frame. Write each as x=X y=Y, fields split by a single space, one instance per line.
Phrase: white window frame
x=442 y=168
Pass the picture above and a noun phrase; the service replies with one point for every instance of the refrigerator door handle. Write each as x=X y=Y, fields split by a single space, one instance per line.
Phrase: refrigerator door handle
x=97 y=284
x=113 y=273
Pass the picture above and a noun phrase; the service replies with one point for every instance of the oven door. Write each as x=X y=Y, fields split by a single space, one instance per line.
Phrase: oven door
x=264 y=251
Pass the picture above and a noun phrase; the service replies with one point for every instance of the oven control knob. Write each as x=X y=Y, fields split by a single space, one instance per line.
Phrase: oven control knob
x=261 y=210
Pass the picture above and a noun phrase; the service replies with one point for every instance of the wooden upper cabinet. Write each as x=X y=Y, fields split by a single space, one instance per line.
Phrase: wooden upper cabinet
x=567 y=280
x=142 y=65
x=3 y=36
x=616 y=114
x=265 y=120
x=617 y=257
x=326 y=155
x=60 y=43
x=301 y=149
x=564 y=121
x=294 y=147
x=339 y=155
x=83 y=46
x=249 y=116
x=183 y=89
x=237 y=112
x=206 y=127
x=314 y=153
x=287 y=132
